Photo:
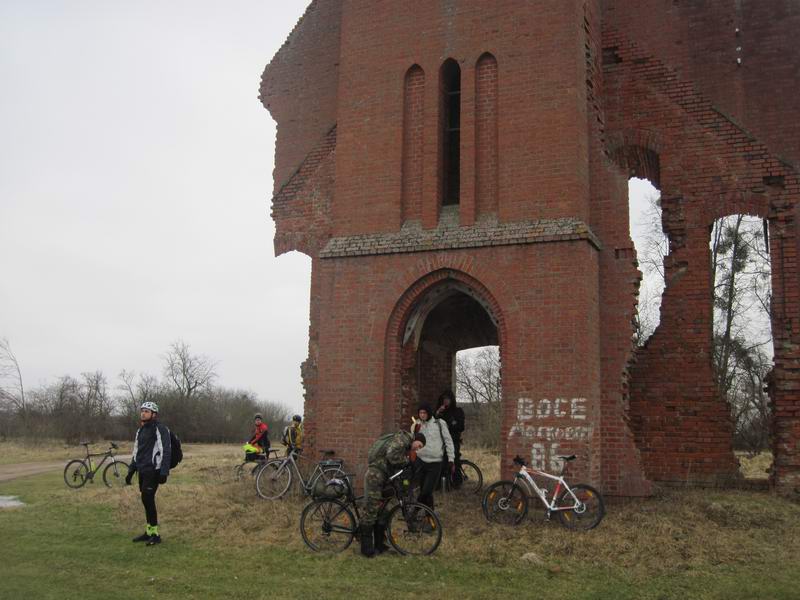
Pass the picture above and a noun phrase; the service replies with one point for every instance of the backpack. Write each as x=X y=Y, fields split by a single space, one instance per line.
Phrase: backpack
x=285 y=436
x=176 y=455
x=377 y=449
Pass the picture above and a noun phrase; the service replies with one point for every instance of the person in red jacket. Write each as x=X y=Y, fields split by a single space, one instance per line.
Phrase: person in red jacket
x=260 y=438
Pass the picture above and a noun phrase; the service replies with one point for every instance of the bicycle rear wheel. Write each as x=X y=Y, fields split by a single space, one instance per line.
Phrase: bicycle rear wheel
x=114 y=474
x=471 y=478
x=505 y=502
x=414 y=529
x=587 y=511
x=76 y=473
x=273 y=479
x=327 y=526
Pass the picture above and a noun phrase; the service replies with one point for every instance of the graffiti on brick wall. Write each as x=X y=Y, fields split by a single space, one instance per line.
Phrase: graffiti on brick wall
x=546 y=439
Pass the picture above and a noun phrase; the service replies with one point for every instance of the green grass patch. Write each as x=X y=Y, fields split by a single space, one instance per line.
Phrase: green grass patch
x=221 y=541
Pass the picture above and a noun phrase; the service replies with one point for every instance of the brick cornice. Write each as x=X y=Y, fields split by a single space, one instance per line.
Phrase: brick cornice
x=413 y=238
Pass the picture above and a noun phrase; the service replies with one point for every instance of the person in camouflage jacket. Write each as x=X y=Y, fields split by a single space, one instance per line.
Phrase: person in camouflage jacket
x=387 y=460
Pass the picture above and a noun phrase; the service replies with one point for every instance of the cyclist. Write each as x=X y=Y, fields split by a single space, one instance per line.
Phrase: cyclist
x=259 y=441
x=388 y=454
x=151 y=456
x=453 y=416
x=431 y=459
x=293 y=435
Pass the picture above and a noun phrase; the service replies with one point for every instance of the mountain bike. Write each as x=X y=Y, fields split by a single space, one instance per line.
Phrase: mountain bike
x=468 y=478
x=254 y=464
x=329 y=524
x=578 y=506
x=276 y=476
x=80 y=470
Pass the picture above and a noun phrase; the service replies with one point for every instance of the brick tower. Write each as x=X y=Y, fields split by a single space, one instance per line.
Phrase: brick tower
x=457 y=171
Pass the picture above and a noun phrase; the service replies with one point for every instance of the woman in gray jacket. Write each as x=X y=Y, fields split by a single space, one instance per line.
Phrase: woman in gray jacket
x=431 y=458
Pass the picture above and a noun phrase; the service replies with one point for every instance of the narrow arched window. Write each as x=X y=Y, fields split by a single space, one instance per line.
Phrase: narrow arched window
x=450 y=120
x=413 y=142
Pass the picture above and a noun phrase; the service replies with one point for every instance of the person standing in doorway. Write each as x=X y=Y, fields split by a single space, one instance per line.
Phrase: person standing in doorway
x=152 y=452
x=453 y=416
x=433 y=457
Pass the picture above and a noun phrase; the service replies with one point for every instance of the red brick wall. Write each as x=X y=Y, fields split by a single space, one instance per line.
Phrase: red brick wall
x=578 y=95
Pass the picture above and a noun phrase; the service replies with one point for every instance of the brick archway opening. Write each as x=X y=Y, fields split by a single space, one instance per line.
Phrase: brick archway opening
x=442 y=314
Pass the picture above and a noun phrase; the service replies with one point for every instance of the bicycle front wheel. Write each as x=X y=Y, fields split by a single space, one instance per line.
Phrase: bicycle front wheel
x=76 y=473
x=273 y=479
x=471 y=478
x=505 y=502
x=327 y=526
x=414 y=529
x=114 y=474
x=588 y=508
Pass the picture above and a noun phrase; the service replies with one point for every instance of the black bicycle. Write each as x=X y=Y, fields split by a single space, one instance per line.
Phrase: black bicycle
x=330 y=522
x=467 y=478
x=80 y=470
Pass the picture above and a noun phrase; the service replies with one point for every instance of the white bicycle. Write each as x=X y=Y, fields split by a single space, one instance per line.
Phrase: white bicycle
x=578 y=507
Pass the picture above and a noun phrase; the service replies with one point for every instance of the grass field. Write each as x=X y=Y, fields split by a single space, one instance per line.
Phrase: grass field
x=221 y=541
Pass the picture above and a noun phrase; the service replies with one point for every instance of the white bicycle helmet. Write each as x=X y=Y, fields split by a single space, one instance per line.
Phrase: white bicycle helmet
x=152 y=406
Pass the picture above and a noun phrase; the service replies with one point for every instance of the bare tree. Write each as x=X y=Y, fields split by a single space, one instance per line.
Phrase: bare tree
x=652 y=246
x=136 y=389
x=742 y=335
x=12 y=390
x=187 y=372
x=478 y=376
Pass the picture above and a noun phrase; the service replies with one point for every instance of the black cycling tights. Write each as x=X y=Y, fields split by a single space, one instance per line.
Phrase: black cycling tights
x=148 y=486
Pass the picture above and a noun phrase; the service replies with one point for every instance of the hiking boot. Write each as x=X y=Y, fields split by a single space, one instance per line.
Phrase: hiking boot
x=367 y=541
x=154 y=539
x=380 y=538
x=142 y=538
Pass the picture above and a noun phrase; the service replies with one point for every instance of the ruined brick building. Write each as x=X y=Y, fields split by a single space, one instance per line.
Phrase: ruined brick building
x=457 y=171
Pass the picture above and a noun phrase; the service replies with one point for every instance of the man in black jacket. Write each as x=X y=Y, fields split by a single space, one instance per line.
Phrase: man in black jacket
x=454 y=417
x=152 y=452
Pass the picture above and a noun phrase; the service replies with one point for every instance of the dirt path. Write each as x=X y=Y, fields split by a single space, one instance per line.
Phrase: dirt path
x=9 y=472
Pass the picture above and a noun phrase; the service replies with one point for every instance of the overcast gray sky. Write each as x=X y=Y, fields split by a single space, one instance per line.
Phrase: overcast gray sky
x=135 y=178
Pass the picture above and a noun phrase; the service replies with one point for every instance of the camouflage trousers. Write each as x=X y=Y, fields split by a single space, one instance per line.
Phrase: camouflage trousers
x=374 y=483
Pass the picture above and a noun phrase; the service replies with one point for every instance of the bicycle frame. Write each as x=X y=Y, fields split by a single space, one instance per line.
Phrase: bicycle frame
x=106 y=455
x=524 y=474
x=290 y=461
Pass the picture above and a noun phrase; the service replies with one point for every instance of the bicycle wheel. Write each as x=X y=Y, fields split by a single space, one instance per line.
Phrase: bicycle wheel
x=586 y=513
x=114 y=474
x=471 y=478
x=76 y=473
x=414 y=529
x=327 y=526
x=328 y=473
x=505 y=502
x=273 y=479
x=240 y=470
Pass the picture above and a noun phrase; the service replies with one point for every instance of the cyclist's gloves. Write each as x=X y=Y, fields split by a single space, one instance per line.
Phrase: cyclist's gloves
x=162 y=478
x=452 y=467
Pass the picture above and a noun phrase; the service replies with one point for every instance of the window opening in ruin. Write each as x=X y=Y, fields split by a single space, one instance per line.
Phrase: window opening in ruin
x=742 y=343
x=652 y=245
x=478 y=393
x=451 y=131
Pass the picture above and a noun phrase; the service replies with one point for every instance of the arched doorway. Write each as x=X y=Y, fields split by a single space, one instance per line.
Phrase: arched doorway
x=443 y=313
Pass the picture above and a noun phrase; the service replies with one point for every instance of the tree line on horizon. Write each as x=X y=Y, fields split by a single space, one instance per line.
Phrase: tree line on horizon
x=88 y=407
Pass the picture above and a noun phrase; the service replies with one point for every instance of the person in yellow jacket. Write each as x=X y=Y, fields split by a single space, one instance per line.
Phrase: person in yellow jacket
x=293 y=435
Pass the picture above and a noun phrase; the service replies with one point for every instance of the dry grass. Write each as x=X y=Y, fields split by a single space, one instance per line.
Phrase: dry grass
x=755 y=467
x=675 y=531
x=50 y=450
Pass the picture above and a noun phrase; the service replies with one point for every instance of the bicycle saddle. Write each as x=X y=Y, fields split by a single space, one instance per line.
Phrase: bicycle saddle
x=568 y=458
x=328 y=452
x=85 y=443
x=519 y=460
